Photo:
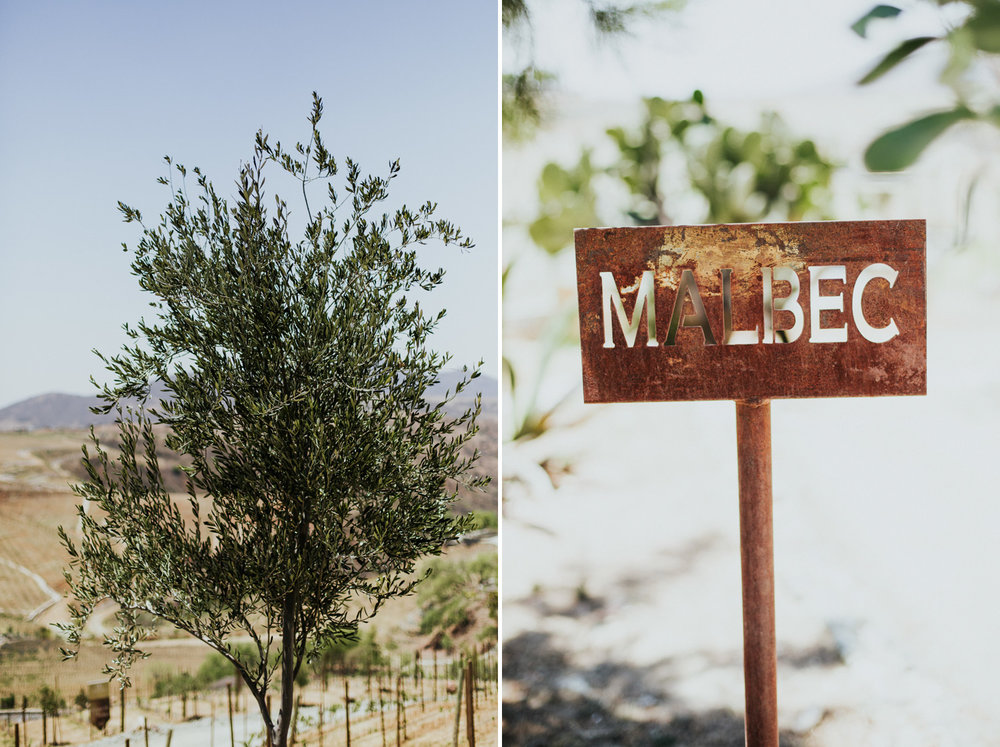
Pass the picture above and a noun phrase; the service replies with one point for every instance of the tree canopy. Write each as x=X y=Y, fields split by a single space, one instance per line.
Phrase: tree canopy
x=295 y=378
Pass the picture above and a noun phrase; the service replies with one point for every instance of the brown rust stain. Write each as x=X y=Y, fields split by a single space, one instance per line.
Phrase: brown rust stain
x=743 y=251
x=692 y=370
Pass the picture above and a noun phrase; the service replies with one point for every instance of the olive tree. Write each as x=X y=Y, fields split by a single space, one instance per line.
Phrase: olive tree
x=293 y=376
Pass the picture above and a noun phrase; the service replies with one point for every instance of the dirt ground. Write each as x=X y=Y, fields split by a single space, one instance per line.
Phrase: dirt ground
x=35 y=500
x=425 y=721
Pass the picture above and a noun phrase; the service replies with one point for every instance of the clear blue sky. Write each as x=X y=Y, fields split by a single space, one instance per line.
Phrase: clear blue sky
x=93 y=95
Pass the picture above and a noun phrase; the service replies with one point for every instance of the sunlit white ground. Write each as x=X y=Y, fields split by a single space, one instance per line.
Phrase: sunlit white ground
x=886 y=522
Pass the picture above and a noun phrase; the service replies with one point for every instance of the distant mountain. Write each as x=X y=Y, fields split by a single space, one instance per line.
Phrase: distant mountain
x=52 y=411
x=487 y=386
x=57 y=410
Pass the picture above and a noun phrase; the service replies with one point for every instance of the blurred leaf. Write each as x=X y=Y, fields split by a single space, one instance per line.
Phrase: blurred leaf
x=554 y=181
x=566 y=201
x=611 y=19
x=508 y=370
x=513 y=12
x=900 y=147
x=549 y=233
x=985 y=27
x=961 y=54
x=523 y=97
x=505 y=274
x=894 y=57
x=860 y=26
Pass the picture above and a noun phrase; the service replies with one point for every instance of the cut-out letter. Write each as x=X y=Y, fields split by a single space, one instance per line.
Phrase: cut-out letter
x=819 y=303
x=688 y=288
x=870 y=333
x=612 y=299
x=788 y=303
x=729 y=335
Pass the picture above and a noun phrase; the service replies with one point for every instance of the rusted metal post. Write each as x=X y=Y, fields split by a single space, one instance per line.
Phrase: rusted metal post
x=760 y=665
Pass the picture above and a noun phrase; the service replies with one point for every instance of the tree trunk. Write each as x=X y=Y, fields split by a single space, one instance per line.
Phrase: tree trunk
x=263 y=705
x=280 y=729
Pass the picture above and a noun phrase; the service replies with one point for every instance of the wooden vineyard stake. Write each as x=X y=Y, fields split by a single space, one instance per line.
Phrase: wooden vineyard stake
x=399 y=709
x=347 y=711
x=292 y=731
x=458 y=705
x=751 y=313
x=381 y=707
x=229 y=706
x=470 y=708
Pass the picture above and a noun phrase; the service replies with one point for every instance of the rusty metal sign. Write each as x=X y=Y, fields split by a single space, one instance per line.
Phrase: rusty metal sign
x=753 y=311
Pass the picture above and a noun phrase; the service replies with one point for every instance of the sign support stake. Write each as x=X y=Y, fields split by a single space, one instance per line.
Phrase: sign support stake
x=760 y=664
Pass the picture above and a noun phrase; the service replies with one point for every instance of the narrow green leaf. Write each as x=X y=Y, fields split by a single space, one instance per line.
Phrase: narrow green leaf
x=860 y=27
x=894 y=57
x=900 y=147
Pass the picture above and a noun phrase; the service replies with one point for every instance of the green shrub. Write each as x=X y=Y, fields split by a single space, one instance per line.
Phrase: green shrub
x=177 y=683
x=489 y=633
x=50 y=700
x=214 y=668
x=484 y=520
x=454 y=589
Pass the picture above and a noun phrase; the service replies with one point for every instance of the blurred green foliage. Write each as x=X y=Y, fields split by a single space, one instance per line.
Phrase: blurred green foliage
x=678 y=153
x=973 y=41
x=739 y=176
x=521 y=105
x=526 y=86
x=449 y=597
x=213 y=668
x=484 y=520
x=566 y=200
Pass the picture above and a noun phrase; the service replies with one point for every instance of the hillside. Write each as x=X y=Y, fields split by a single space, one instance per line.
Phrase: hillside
x=58 y=410
x=36 y=468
